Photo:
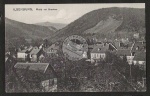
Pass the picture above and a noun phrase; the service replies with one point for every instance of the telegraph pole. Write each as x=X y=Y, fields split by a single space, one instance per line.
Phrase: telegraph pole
x=130 y=63
x=130 y=74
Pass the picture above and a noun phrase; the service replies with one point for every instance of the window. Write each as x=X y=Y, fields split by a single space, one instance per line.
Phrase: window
x=102 y=55
x=133 y=53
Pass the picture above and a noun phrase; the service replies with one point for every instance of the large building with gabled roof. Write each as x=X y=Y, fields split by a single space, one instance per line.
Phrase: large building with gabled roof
x=99 y=51
x=39 y=76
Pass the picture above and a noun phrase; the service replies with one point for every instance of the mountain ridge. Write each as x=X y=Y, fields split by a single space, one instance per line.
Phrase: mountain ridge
x=18 y=29
x=133 y=21
x=56 y=25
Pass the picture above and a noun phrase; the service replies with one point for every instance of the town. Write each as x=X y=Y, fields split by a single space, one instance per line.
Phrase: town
x=109 y=65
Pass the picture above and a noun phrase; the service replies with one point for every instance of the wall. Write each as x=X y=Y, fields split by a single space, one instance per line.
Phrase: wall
x=21 y=55
x=130 y=59
x=49 y=85
x=34 y=58
x=98 y=55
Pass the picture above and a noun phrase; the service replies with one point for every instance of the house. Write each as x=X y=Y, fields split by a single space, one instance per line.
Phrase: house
x=122 y=45
x=52 y=50
x=140 y=59
x=34 y=54
x=22 y=55
x=110 y=45
x=38 y=76
x=41 y=57
x=99 y=52
x=138 y=46
x=127 y=53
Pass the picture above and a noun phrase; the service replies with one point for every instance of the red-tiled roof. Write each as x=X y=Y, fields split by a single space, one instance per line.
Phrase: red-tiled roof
x=41 y=67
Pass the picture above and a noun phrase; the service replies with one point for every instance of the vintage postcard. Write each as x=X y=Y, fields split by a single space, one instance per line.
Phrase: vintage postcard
x=75 y=47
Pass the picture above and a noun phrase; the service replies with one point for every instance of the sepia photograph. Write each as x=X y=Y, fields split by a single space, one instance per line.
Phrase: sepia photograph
x=93 y=47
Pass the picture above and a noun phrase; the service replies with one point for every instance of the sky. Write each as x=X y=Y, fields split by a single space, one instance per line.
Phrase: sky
x=58 y=13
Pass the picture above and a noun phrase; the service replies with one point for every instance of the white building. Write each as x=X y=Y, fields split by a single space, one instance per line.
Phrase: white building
x=99 y=52
x=22 y=55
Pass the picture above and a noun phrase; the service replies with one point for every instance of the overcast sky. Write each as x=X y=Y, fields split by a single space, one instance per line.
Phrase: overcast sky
x=65 y=13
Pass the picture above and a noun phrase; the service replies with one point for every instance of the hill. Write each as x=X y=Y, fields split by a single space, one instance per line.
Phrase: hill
x=49 y=24
x=15 y=29
x=108 y=23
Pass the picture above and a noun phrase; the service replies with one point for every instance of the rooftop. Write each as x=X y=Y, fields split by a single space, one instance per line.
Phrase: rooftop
x=53 y=46
x=42 y=67
x=100 y=48
x=141 y=46
x=117 y=45
x=140 y=56
x=23 y=51
x=124 y=52
x=35 y=51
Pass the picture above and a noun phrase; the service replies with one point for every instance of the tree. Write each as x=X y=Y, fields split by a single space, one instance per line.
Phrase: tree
x=36 y=42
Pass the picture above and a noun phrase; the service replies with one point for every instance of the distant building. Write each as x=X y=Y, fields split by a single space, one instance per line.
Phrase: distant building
x=45 y=79
x=52 y=50
x=41 y=57
x=22 y=55
x=138 y=46
x=122 y=45
x=140 y=59
x=34 y=54
x=127 y=53
x=130 y=51
x=99 y=51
